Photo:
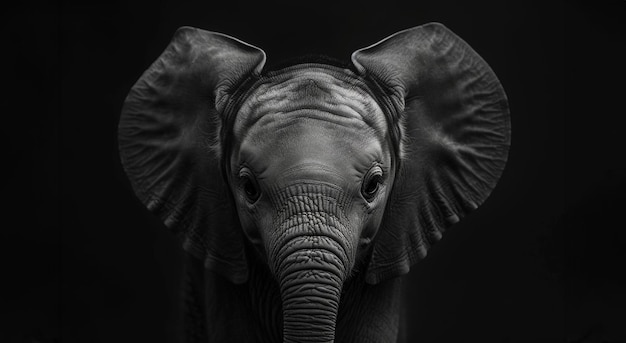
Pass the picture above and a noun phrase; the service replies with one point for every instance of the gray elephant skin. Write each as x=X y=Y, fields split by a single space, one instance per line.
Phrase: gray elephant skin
x=302 y=194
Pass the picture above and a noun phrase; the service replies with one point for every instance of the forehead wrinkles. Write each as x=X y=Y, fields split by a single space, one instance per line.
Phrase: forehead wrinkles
x=314 y=88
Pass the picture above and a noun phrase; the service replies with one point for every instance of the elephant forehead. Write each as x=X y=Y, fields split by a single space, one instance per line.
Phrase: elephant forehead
x=324 y=94
x=304 y=142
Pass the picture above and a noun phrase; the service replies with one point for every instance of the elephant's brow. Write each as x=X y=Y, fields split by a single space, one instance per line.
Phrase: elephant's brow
x=317 y=90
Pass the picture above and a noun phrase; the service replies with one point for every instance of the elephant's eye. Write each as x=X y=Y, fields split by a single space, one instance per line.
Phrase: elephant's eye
x=249 y=185
x=371 y=183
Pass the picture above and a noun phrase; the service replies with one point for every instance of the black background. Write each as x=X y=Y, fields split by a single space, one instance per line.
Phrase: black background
x=540 y=261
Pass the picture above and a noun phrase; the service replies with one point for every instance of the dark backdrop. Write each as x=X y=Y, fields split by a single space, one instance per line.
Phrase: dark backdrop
x=83 y=261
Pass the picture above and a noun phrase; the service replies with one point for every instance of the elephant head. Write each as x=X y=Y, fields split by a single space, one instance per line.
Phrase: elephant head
x=326 y=170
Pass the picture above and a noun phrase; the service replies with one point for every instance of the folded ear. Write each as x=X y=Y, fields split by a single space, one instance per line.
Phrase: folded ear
x=453 y=118
x=169 y=141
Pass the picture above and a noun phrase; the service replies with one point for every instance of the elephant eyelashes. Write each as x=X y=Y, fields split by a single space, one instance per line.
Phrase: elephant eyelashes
x=249 y=186
x=371 y=183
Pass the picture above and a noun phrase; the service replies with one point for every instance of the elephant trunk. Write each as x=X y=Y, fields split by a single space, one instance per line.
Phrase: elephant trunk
x=311 y=270
x=310 y=288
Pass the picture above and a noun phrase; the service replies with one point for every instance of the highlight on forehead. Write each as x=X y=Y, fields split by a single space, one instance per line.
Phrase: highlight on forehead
x=332 y=91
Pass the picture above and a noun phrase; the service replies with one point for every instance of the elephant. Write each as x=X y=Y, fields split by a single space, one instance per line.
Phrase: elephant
x=302 y=194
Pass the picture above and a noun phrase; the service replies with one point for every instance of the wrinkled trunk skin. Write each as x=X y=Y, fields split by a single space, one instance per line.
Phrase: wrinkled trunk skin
x=311 y=258
x=310 y=289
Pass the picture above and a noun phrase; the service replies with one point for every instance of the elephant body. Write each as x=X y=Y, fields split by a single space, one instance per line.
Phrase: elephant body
x=217 y=311
x=303 y=194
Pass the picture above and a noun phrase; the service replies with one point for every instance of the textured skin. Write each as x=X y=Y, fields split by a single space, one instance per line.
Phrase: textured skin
x=264 y=176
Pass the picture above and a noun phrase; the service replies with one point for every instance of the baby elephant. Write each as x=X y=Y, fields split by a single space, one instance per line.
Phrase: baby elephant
x=302 y=194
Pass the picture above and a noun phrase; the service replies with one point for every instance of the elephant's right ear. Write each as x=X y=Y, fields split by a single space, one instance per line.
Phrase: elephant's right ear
x=169 y=141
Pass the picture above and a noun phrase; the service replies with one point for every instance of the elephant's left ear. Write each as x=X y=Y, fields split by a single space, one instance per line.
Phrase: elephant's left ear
x=170 y=146
x=452 y=116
